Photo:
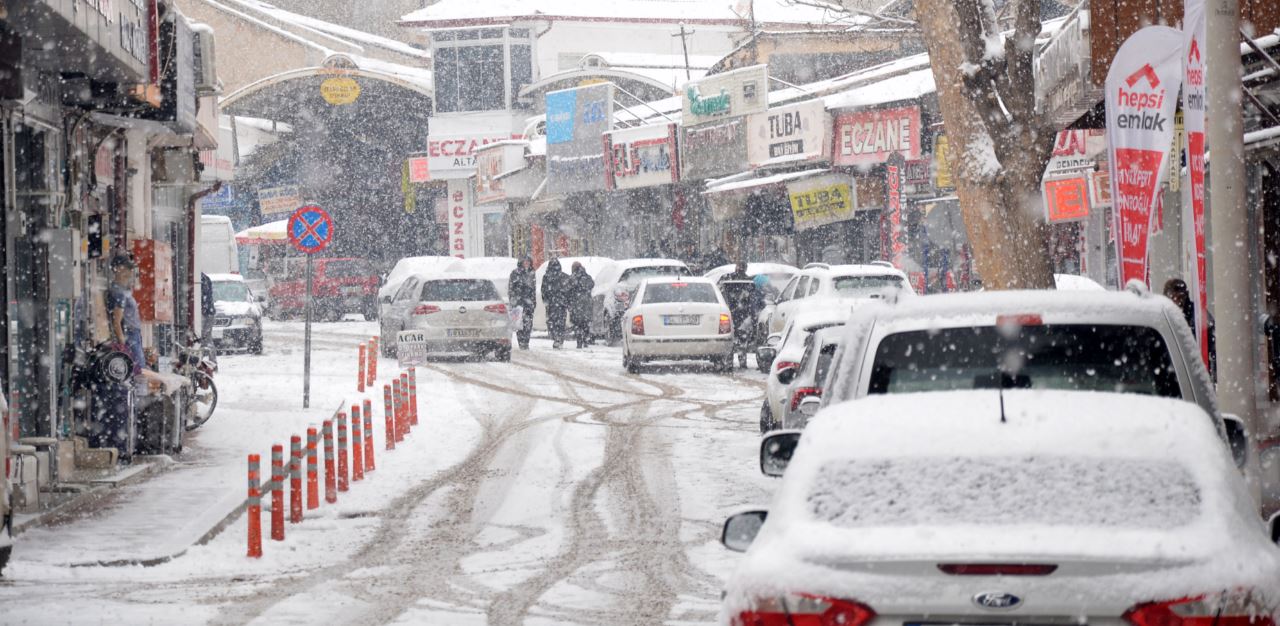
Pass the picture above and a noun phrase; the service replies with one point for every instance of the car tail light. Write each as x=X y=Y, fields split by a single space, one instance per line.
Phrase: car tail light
x=802 y=393
x=637 y=325
x=496 y=308
x=782 y=365
x=1228 y=609
x=805 y=610
x=997 y=569
x=426 y=309
x=726 y=324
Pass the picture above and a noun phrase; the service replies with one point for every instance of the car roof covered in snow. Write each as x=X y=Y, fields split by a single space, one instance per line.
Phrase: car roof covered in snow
x=835 y=312
x=862 y=270
x=752 y=269
x=1053 y=306
x=626 y=264
x=1066 y=477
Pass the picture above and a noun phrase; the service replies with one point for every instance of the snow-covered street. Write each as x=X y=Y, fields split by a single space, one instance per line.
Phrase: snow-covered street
x=553 y=489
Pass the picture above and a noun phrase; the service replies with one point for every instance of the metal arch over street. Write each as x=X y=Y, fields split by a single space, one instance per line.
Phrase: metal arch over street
x=278 y=80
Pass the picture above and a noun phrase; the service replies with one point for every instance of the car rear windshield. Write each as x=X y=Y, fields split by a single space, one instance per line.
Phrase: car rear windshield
x=345 y=269
x=854 y=285
x=458 y=290
x=1112 y=358
x=1005 y=491
x=679 y=292
x=637 y=274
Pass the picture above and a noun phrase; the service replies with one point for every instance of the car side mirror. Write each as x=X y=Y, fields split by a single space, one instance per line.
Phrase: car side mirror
x=765 y=354
x=1273 y=525
x=776 y=450
x=740 y=529
x=1237 y=438
x=809 y=406
x=787 y=375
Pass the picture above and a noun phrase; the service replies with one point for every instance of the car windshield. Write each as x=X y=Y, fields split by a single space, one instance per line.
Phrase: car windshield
x=859 y=285
x=345 y=269
x=637 y=274
x=230 y=291
x=657 y=293
x=458 y=290
x=1113 y=358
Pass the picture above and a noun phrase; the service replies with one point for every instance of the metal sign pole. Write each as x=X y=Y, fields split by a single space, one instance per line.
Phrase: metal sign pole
x=306 y=358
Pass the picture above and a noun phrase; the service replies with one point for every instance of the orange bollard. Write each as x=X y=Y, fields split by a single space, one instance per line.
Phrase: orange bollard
x=330 y=481
x=389 y=413
x=357 y=445
x=277 y=492
x=313 y=478
x=397 y=409
x=368 y=437
x=404 y=403
x=295 y=479
x=360 y=377
x=413 y=397
x=342 y=451
x=373 y=362
x=255 y=510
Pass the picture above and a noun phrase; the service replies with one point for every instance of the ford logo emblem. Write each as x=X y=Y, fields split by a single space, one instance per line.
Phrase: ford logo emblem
x=462 y=310
x=997 y=600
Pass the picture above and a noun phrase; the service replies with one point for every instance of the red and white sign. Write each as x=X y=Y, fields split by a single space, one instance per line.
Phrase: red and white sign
x=869 y=137
x=1193 y=109
x=459 y=190
x=643 y=156
x=1066 y=199
x=895 y=180
x=454 y=156
x=1141 y=95
x=419 y=169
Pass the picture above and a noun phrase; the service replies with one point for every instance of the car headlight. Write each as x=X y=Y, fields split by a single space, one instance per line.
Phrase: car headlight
x=251 y=321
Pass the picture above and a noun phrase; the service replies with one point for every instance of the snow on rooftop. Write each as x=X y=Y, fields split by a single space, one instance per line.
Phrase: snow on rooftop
x=354 y=38
x=673 y=11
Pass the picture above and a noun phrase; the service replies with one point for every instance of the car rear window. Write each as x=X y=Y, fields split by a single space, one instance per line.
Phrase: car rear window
x=458 y=290
x=1005 y=491
x=856 y=285
x=636 y=274
x=345 y=269
x=1111 y=358
x=658 y=293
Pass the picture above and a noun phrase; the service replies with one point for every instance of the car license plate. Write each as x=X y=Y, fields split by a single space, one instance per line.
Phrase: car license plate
x=462 y=332
x=680 y=320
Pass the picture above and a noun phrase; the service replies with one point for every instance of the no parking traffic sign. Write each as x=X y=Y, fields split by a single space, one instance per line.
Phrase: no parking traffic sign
x=310 y=229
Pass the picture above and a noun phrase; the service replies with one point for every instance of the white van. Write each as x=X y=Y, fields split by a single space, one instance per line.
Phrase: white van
x=217 y=252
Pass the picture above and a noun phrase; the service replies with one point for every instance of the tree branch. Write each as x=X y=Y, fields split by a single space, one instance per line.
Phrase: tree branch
x=842 y=6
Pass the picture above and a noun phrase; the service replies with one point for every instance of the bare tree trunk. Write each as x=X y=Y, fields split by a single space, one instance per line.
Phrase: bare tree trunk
x=999 y=145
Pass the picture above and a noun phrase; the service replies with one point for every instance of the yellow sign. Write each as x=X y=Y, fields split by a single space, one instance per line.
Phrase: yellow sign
x=940 y=148
x=340 y=90
x=818 y=202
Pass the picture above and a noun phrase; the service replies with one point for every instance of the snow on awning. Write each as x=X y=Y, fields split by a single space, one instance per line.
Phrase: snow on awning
x=270 y=233
x=747 y=181
x=909 y=86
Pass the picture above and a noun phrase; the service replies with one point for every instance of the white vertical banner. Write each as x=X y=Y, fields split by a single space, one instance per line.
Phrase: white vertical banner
x=459 y=207
x=1193 y=110
x=1141 y=96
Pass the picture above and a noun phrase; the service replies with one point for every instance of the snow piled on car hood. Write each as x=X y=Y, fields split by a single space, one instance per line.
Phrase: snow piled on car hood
x=1176 y=519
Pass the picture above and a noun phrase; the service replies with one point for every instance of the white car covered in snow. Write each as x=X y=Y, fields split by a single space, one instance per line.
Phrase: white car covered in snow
x=676 y=319
x=616 y=285
x=784 y=351
x=1013 y=507
x=446 y=313
x=403 y=269
x=237 y=321
x=819 y=284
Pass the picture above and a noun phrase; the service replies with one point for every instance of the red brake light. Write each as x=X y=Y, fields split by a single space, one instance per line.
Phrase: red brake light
x=782 y=365
x=806 y=610
x=637 y=325
x=496 y=308
x=678 y=285
x=996 y=569
x=726 y=324
x=1231 y=609
x=803 y=393
x=1020 y=319
x=426 y=309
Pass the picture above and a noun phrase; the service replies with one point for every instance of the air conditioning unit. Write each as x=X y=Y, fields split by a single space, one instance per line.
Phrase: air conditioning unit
x=206 y=69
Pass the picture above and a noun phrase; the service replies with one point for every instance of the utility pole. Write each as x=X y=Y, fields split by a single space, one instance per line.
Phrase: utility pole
x=684 y=43
x=1234 y=313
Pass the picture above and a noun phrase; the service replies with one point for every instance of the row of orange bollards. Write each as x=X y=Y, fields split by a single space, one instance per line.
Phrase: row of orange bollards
x=368 y=371
x=400 y=403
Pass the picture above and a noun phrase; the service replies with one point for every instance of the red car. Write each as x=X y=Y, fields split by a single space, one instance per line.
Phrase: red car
x=338 y=287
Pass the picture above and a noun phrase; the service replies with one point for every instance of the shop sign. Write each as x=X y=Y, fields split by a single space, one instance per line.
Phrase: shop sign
x=894 y=184
x=713 y=150
x=576 y=120
x=459 y=191
x=1066 y=199
x=867 y=138
x=283 y=199
x=941 y=166
x=793 y=134
x=220 y=202
x=643 y=156
x=1100 y=188
x=419 y=169
x=453 y=156
x=821 y=200
x=1076 y=151
x=491 y=163
x=340 y=90
x=731 y=94
x=917 y=172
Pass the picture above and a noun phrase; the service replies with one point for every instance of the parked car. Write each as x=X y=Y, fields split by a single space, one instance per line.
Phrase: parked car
x=462 y=314
x=237 y=321
x=809 y=377
x=1009 y=507
x=677 y=318
x=594 y=265
x=405 y=268
x=784 y=352
x=338 y=287
x=615 y=287
x=849 y=283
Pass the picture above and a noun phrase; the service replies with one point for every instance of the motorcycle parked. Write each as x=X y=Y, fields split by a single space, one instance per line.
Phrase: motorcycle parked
x=194 y=363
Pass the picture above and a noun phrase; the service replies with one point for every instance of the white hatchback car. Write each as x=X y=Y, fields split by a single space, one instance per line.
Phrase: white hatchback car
x=1013 y=507
x=446 y=314
x=818 y=282
x=677 y=318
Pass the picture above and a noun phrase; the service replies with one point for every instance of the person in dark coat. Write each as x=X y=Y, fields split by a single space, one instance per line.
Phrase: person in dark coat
x=1176 y=289
x=522 y=287
x=580 y=286
x=555 y=295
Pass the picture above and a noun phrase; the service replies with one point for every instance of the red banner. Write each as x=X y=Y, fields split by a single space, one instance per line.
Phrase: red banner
x=1193 y=108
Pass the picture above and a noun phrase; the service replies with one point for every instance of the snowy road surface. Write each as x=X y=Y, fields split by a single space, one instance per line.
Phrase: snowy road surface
x=554 y=489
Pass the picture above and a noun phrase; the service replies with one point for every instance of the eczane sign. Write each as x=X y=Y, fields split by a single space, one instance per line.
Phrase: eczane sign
x=454 y=156
x=867 y=138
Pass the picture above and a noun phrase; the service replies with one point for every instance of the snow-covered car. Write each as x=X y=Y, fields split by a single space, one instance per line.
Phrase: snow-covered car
x=676 y=319
x=404 y=268
x=237 y=321
x=787 y=352
x=494 y=268
x=446 y=314
x=594 y=266
x=811 y=374
x=1074 y=282
x=1013 y=507
x=616 y=286
x=851 y=284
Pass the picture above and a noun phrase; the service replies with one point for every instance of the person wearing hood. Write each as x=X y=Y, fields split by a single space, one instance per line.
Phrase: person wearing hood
x=523 y=289
x=555 y=294
x=580 y=286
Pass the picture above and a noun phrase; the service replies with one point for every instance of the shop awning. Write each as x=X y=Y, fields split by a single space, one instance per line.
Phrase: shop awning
x=266 y=234
x=748 y=182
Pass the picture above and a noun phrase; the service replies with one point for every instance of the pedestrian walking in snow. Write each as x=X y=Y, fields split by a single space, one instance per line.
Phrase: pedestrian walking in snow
x=555 y=287
x=580 y=286
x=523 y=289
